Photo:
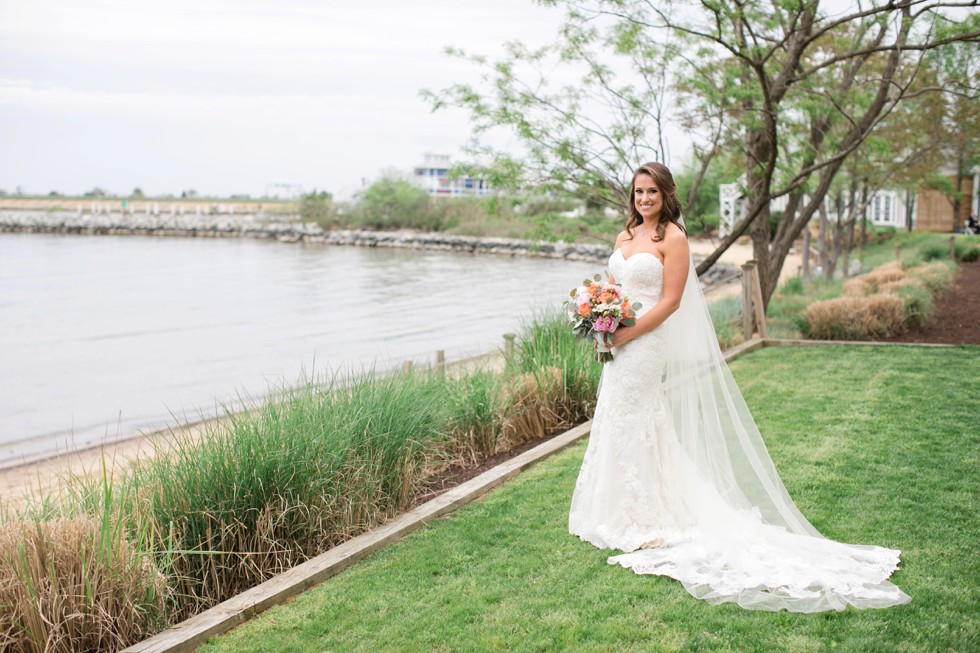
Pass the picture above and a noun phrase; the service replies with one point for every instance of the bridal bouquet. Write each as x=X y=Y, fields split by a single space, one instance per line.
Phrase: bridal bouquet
x=596 y=310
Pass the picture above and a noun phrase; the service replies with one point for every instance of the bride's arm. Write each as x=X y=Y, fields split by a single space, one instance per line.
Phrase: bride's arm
x=676 y=266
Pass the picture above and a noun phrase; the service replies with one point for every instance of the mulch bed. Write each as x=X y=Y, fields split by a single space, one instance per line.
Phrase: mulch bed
x=956 y=319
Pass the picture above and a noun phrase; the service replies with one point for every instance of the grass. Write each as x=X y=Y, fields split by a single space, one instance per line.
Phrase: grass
x=876 y=445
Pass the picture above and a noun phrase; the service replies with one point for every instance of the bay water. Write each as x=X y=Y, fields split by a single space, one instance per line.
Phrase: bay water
x=102 y=337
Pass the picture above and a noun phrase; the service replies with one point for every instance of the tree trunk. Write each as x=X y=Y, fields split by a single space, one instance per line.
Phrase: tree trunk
x=864 y=222
x=908 y=210
x=822 y=245
x=958 y=197
x=806 y=256
x=852 y=215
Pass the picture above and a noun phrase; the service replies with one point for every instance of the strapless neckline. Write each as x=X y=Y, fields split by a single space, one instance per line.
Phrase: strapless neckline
x=625 y=258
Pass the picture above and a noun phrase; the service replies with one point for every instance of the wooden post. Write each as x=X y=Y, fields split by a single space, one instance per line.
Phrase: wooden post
x=747 y=314
x=898 y=254
x=952 y=247
x=407 y=367
x=440 y=361
x=760 y=306
x=509 y=344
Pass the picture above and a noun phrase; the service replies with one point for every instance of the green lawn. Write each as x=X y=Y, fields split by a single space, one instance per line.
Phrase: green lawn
x=877 y=445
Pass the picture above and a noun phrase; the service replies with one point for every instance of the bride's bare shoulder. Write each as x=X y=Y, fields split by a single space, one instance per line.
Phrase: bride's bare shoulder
x=623 y=236
x=675 y=238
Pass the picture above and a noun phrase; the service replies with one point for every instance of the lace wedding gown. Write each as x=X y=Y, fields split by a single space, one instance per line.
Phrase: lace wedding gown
x=672 y=513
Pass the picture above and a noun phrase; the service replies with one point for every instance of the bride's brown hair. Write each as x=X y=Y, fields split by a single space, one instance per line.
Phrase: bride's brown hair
x=670 y=209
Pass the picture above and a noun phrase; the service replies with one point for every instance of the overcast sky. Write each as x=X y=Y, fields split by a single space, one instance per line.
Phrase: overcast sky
x=228 y=96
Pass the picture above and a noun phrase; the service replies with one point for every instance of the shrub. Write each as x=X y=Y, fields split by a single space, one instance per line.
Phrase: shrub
x=393 y=203
x=793 y=286
x=856 y=287
x=970 y=255
x=916 y=302
x=934 y=253
x=935 y=277
x=855 y=318
x=318 y=207
x=882 y=275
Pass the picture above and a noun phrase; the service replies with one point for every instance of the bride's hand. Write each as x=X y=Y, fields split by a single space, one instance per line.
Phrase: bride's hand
x=622 y=336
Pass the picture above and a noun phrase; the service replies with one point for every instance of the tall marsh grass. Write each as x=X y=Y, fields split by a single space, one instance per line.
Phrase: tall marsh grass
x=109 y=563
x=82 y=582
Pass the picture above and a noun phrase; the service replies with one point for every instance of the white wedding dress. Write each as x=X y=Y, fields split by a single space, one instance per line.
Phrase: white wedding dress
x=703 y=506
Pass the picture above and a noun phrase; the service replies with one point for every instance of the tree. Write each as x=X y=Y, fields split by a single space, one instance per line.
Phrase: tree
x=701 y=209
x=798 y=89
x=97 y=192
x=957 y=67
x=584 y=136
x=317 y=207
x=812 y=87
x=137 y=194
x=394 y=202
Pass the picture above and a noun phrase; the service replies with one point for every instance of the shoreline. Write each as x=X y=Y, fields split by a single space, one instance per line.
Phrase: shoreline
x=290 y=231
x=294 y=231
x=24 y=480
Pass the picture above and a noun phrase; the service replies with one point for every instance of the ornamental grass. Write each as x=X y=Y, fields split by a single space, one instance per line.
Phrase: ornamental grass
x=83 y=583
x=881 y=303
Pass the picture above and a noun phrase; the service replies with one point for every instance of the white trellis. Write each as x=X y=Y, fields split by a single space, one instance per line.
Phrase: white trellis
x=732 y=207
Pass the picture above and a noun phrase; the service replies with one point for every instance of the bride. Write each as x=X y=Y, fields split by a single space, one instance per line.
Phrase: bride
x=676 y=475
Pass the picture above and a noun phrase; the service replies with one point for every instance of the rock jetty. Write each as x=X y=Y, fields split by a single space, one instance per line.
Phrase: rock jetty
x=257 y=226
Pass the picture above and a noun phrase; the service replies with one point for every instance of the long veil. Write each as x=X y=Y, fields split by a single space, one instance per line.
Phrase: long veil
x=712 y=421
x=774 y=559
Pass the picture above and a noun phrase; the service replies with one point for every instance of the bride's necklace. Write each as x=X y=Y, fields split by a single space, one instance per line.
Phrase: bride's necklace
x=643 y=233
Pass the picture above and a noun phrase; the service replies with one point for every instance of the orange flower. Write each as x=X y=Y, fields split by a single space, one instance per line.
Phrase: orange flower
x=584 y=310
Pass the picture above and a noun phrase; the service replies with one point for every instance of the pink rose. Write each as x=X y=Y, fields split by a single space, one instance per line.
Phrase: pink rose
x=583 y=298
x=606 y=324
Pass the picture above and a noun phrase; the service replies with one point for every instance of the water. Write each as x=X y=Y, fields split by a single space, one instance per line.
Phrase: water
x=102 y=337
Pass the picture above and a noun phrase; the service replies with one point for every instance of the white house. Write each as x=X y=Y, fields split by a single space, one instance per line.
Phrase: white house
x=929 y=209
x=433 y=176
x=886 y=207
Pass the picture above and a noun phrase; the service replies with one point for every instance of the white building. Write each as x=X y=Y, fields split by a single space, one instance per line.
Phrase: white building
x=433 y=176
x=929 y=209
x=886 y=207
